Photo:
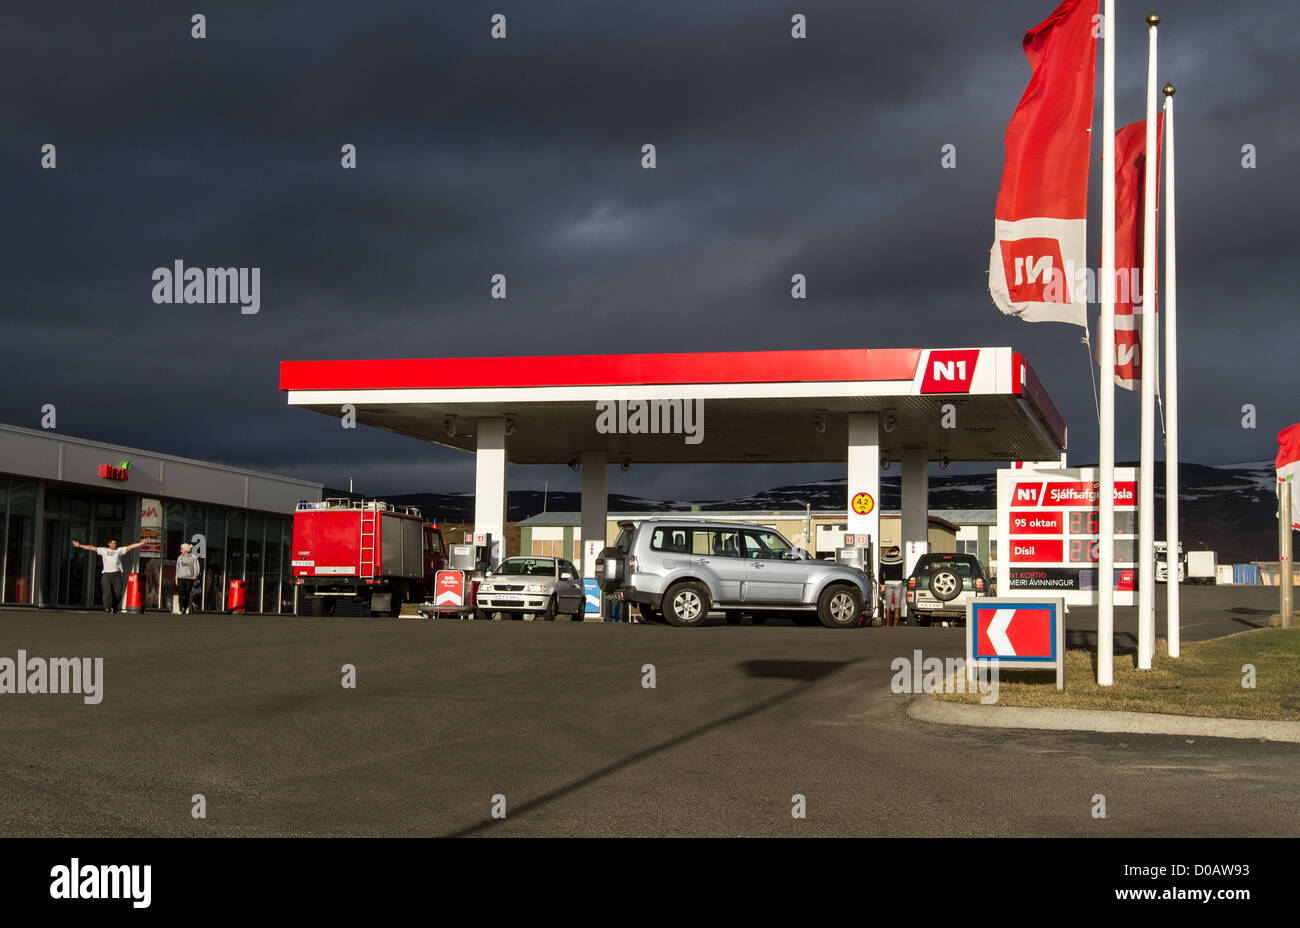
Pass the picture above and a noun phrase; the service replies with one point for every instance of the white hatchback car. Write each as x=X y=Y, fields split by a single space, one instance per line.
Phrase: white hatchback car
x=525 y=587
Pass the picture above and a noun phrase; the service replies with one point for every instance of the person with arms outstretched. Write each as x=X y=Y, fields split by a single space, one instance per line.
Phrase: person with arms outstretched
x=110 y=579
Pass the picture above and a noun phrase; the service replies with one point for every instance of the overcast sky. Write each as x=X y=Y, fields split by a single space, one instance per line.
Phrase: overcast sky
x=522 y=156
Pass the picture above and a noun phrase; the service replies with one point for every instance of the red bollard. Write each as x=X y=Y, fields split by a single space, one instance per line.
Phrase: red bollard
x=133 y=594
x=235 y=597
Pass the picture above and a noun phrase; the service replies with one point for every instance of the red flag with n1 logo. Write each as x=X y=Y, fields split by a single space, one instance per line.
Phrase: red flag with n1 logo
x=1288 y=467
x=1040 y=222
x=1130 y=217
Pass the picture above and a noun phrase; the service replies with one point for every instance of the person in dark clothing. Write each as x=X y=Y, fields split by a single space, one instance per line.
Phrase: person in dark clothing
x=110 y=580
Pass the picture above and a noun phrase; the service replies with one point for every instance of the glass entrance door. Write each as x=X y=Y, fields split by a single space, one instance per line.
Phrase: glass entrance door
x=70 y=576
x=67 y=571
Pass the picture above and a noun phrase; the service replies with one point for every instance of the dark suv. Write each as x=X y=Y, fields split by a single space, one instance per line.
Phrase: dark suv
x=942 y=585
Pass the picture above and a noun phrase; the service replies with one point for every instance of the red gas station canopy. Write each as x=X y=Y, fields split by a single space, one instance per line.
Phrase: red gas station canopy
x=867 y=364
x=963 y=404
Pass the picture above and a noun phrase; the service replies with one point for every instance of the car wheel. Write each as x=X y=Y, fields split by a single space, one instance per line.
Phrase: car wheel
x=320 y=606
x=945 y=585
x=686 y=604
x=549 y=614
x=482 y=615
x=839 y=606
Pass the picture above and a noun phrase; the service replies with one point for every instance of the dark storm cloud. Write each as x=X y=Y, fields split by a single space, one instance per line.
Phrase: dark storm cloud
x=522 y=157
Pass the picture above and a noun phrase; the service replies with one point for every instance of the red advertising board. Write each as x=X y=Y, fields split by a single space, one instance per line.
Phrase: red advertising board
x=449 y=589
x=1048 y=521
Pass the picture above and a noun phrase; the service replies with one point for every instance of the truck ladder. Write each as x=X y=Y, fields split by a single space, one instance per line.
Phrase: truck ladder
x=368 y=543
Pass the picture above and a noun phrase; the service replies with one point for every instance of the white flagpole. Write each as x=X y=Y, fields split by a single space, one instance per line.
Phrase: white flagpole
x=1171 y=383
x=1106 y=332
x=1147 y=471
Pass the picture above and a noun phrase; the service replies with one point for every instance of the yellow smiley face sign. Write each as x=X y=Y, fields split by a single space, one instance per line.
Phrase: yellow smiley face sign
x=863 y=503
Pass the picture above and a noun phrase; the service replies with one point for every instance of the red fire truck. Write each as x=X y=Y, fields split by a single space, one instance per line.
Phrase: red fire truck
x=365 y=551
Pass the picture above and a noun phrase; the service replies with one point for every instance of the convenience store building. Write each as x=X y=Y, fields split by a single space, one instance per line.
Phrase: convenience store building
x=56 y=489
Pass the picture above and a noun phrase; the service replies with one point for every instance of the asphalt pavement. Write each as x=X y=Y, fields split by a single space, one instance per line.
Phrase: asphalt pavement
x=551 y=723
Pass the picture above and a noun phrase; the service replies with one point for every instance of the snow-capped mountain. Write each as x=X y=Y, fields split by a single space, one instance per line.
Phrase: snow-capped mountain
x=1228 y=508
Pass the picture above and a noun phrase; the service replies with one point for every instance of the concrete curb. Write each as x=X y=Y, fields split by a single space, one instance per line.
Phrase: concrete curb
x=929 y=709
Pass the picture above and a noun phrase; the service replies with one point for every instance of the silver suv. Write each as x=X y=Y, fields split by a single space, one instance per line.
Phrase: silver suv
x=683 y=568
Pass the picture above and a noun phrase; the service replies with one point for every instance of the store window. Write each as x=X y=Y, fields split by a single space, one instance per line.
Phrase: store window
x=271 y=565
x=162 y=570
x=286 y=568
x=173 y=528
x=109 y=509
x=194 y=524
x=234 y=546
x=76 y=507
x=66 y=573
x=20 y=540
x=214 y=561
x=256 y=523
x=4 y=522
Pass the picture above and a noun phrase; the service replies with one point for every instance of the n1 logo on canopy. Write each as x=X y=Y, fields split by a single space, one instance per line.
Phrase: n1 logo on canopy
x=950 y=370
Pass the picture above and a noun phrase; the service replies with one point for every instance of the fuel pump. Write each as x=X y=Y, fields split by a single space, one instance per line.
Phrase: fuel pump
x=455 y=586
x=861 y=557
x=483 y=551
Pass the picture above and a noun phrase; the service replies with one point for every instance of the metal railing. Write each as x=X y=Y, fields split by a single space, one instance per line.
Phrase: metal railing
x=361 y=505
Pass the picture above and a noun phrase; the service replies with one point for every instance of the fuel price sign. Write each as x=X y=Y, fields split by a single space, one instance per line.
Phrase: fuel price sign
x=1048 y=523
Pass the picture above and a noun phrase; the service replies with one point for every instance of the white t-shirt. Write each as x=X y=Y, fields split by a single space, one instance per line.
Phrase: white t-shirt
x=112 y=559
